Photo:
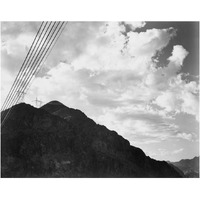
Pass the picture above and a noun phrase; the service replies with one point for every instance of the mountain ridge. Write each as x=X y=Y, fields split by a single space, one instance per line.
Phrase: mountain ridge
x=57 y=141
x=189 y=167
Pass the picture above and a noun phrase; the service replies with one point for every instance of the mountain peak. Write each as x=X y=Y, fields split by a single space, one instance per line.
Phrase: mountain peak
x=57 y=141
x=59 y=109
x=55 y=102
x=53 y=106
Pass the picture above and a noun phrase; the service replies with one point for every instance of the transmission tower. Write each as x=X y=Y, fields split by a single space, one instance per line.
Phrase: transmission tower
x=38 y=103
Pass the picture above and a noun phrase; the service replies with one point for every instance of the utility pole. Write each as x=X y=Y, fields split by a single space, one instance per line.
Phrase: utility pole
x=38 y=103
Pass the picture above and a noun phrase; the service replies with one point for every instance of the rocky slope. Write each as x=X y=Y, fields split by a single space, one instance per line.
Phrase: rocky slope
x=190 y=167
x=57 y=141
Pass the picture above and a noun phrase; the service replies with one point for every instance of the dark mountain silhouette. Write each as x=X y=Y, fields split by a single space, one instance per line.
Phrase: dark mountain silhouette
x=190 y=167
x=57 y=141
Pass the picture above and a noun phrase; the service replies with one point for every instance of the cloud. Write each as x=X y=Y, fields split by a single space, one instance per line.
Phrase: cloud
x=178 y=55
x=109 y=72
x=185 y=136
x=13 y=29
x=161 y=77
x=6 y=83
x=147 y=43
x=138 y=125
x=180 y=97
x=18 y=46
x=169 y=101
x=114 y=80
x=177 y=151
x=16 y=40
x=190 y=104
x=163 y=152
x=113 y=50
x=173 y=93
x=114 y=28
x=134 y=25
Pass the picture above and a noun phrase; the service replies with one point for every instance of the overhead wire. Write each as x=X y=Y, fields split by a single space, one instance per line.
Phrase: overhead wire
x=44 y=55
x=4 y=106
x=27 y=68
x=65 y=23
x=30 y=65
x=23 y=71
x=32 y=70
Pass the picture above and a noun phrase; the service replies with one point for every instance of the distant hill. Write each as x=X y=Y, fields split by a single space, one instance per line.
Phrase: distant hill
x=190 y=167
x=57 y=141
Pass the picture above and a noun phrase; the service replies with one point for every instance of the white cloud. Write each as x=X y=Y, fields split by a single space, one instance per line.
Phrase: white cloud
x=116 y=28
x=131 y=95
x=185 y=136
x=17 y=47
x=178 y=55
x=190 y=104
x=112 y=50
x=176 y=95
x=112 y=78
x=134 y=25
x=177 y=151
x=7 y=81
x=180 y=97
x=147 y=43
x=169 y=101
x=163 y=78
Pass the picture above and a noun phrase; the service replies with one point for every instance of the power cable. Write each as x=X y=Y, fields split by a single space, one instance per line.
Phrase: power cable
x=40 y=61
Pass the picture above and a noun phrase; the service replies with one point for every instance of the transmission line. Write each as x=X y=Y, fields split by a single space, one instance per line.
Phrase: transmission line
x=20 y=71
x=40 y=62
x=34 y=69
x=27 y=68
x=30 y=65
x=23 y=70
x=28 y=75
x=63 y=27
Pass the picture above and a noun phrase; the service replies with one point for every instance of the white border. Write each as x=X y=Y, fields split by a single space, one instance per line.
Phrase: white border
x=91 y=10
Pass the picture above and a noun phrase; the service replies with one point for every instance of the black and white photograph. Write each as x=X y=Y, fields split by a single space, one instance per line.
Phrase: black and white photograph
x=99 y=100
x=88 y=99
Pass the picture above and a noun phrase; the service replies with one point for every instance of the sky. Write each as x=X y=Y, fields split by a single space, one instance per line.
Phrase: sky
x=140 y=79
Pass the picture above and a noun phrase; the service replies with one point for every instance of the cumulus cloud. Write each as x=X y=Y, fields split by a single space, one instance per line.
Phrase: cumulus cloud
x=149 y=42
x=110 y=74
x=185 y=136
x=18 y=46
x=174 y=93
x=178 y=55
x=16 y=40
x=180 y=97
x=114 y=80
x=113 y=50
x=134 y=25
x=169 y=101
x=190 y=104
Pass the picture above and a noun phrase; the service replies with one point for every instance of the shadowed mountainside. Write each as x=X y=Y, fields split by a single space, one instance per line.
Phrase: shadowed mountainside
x=190 y=167
x=57 y=141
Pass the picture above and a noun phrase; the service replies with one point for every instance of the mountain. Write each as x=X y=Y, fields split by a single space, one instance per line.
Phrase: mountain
x=57 y=141
x=190 y=167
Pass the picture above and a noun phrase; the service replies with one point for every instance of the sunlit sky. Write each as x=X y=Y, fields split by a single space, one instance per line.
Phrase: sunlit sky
x=140 y=79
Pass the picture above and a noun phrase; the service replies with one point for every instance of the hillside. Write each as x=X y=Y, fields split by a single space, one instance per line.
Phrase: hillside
x=190 y=167
x=57 y=141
